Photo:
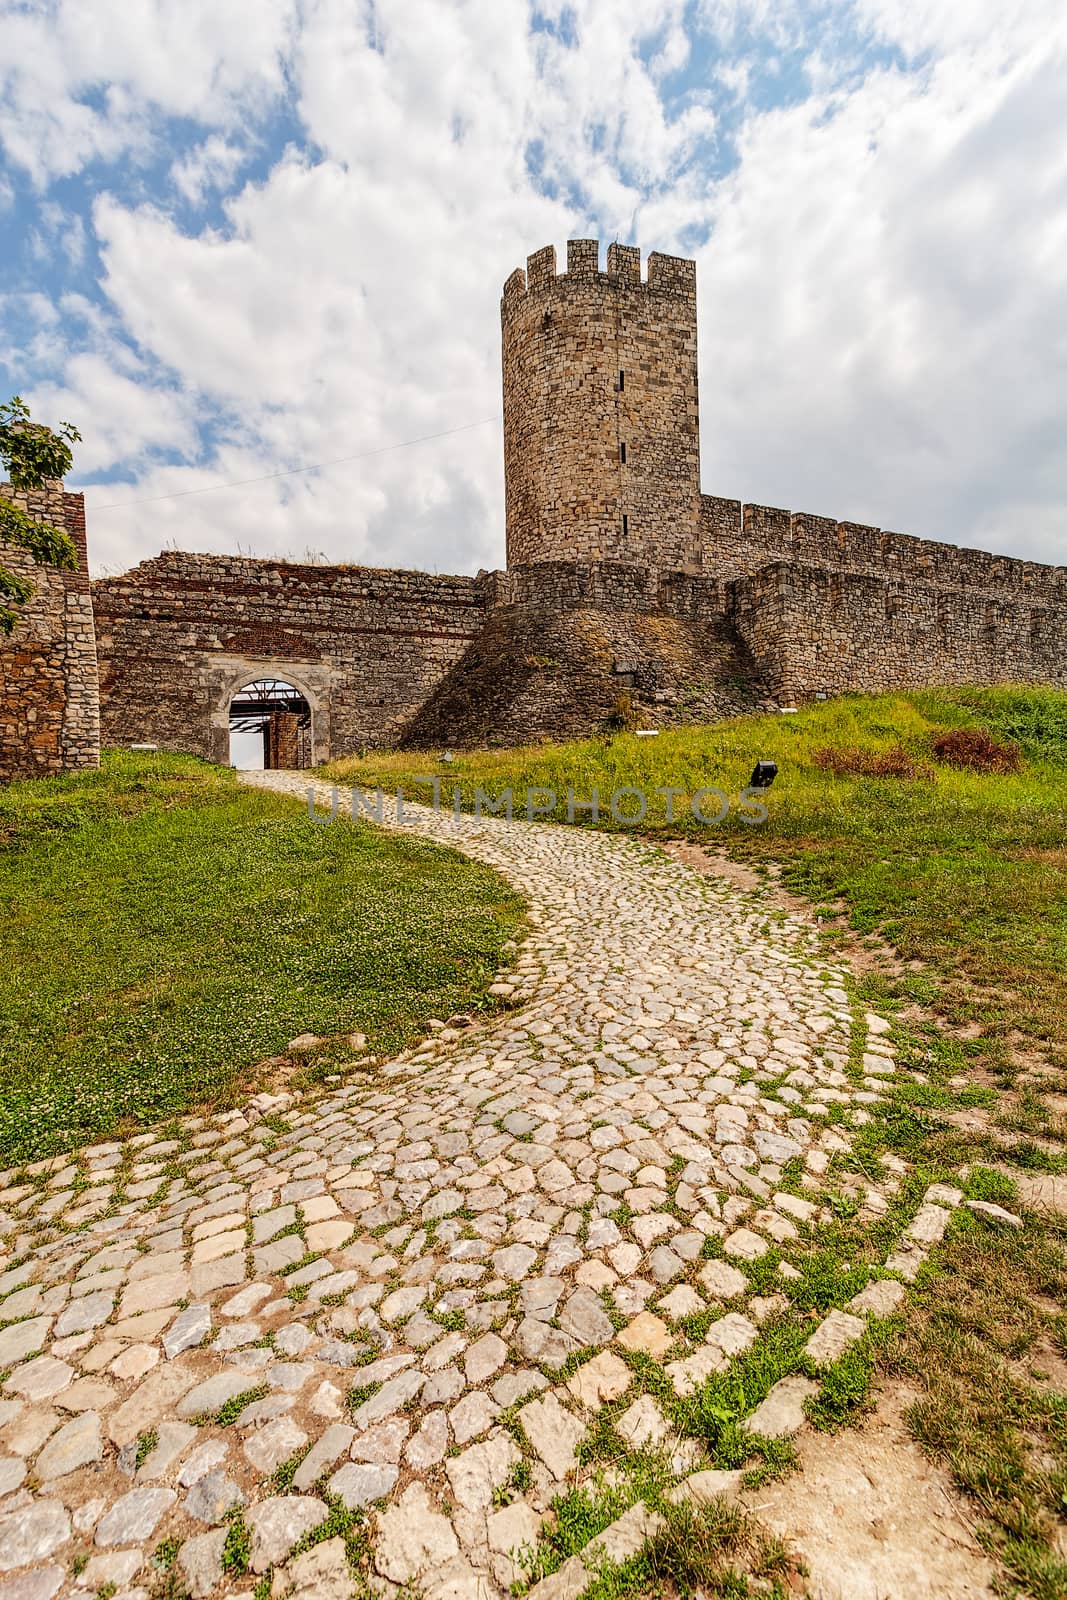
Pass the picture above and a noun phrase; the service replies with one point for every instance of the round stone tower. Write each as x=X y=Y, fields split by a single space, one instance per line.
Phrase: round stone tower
x=601 y=445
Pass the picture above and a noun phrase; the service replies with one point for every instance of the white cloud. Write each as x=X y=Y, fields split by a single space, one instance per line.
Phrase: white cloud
x=882 y=292
x=211 y=165
x=80 y=83
x=129 y=417
x=900 y=257
x=1008 y=27
x=32 y=336
x=59 y=233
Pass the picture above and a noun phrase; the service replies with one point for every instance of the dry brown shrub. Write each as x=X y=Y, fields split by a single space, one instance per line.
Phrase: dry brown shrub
x=976 y=750
x=898 y=763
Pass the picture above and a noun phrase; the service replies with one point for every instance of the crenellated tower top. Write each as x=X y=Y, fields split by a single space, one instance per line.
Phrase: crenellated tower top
x=601 y=423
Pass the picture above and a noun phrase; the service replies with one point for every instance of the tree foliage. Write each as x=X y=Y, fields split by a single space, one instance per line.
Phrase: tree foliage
x=30 y=454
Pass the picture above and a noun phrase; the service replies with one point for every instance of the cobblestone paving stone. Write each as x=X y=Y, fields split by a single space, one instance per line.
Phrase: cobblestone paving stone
x=182 y=1315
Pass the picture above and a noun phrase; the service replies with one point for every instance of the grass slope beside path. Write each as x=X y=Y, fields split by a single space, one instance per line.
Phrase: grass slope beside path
x=964 y=871
x=163 y=929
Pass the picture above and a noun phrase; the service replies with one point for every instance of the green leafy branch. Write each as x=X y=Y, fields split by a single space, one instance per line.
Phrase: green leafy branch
x=31 y=454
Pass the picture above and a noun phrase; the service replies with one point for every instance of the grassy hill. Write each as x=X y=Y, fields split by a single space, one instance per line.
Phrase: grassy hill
x=963 y=871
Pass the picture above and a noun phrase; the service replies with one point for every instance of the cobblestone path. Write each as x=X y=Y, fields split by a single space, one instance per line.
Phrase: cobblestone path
x=366 y=1280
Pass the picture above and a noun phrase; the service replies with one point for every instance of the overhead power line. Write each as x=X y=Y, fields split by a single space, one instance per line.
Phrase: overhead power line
x=292 y=472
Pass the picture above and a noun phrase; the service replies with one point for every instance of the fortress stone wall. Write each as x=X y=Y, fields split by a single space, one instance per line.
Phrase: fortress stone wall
x=831 y=607
x=180 y=634
x=736 y=540
x=625 y=585
x=49 y=707
x=825 y=631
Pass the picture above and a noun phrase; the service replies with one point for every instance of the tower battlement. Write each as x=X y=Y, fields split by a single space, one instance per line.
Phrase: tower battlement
x=601 y=449
x=666 y=274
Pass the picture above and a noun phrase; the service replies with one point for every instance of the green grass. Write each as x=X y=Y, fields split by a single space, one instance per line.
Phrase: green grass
x=231 y=1409
x=979 y=1335
x=163 y=930
x=717 y=1550
x=237 y=1549
x=967 y=874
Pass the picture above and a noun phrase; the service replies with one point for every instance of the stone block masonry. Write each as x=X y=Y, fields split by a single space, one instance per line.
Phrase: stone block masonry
x=601 y=440
x=814 y=631
x=179 y=635
x=738 y=540
x=623 y=581
x=49 y=705
x=829 y=607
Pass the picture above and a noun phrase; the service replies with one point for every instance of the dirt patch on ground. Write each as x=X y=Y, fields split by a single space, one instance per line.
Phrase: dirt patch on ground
x=712 y=861
x=1044 y=1366
x=873 y=1518
x=1041 y=1191
x=864 y=953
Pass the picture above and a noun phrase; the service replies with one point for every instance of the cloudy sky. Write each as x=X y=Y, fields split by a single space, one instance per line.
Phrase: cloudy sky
x=245 y=236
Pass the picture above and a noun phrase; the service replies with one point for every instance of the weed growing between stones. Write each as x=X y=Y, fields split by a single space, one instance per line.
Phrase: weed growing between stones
x=168 y=1584
x=231 y=1409
x=714 y=1549
x=237 y=1550
x=352 y=1526
x=284 y=1475
x=360 y=1392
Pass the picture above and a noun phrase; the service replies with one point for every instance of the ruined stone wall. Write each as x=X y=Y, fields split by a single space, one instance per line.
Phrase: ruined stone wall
x=814 y=631
x=178 y=635
x=49 y=710
x=544 y=650
x=601 y=441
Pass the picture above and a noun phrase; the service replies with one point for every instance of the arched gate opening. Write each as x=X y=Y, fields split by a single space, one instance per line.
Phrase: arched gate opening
x=270 y=726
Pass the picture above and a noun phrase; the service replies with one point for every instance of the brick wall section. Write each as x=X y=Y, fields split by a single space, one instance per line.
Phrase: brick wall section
x=283 y=741
x=49 y=709
x=567 y=415
x=178 y=635
x=816 y=631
